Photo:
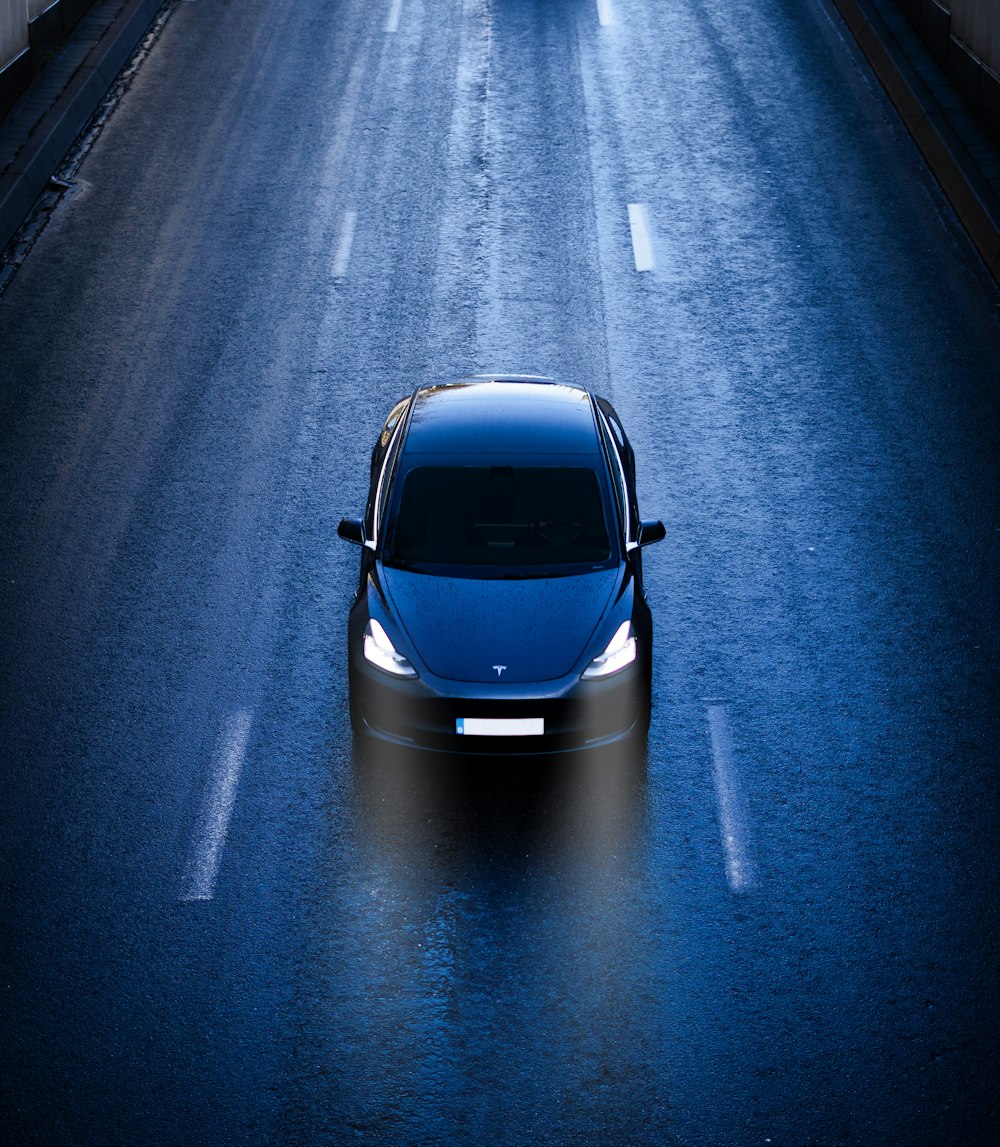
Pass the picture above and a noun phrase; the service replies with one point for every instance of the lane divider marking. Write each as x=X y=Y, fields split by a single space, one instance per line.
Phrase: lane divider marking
x=732 y=820
x=392 y=20
x=210 y=835
x=642 y=244
x=343 y=256
x=605 y=13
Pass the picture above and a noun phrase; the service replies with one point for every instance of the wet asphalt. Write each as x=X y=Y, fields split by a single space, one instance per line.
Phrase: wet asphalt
x=781 y=926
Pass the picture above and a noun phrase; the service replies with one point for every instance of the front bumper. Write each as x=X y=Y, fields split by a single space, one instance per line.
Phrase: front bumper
x=422 y=714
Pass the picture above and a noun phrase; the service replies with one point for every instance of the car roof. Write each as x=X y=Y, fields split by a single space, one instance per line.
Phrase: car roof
x=503 y=415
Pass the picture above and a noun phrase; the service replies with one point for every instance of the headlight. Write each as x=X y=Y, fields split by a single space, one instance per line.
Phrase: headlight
x=380 y=651
x=619 y=653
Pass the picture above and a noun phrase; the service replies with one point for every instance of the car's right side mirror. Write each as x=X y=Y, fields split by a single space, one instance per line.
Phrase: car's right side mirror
x=651 y=530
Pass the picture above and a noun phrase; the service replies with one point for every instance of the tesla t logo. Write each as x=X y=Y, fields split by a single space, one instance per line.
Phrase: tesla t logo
x=499 y=669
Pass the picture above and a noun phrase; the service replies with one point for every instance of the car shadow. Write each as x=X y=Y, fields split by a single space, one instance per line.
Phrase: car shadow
x=420 y=807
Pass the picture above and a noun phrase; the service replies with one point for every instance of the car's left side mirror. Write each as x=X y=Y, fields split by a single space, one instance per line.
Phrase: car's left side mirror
x=651 y=531
x=351 y=530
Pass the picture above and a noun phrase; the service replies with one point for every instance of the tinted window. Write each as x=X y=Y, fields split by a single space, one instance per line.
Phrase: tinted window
x=538 y=520
x=381 y=464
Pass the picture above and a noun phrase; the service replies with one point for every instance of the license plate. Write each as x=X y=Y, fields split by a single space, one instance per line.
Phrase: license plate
x=500 y=726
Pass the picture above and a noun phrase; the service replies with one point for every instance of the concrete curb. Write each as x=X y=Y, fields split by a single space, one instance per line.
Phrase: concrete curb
x=27 y=177
x=975 y=201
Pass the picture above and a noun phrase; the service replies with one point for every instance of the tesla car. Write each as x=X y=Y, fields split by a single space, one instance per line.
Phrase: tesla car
x=500 y=608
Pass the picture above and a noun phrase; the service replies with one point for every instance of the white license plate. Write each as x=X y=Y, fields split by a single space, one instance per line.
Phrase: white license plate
x=500 y=726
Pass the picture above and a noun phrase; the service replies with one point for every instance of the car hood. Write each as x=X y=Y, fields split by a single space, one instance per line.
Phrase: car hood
x=463 y=628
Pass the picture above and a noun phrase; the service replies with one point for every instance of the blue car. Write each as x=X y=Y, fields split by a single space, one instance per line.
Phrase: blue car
x=500 y=608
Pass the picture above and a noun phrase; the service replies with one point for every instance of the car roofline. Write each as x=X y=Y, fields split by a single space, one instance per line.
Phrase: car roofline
x=507 y=376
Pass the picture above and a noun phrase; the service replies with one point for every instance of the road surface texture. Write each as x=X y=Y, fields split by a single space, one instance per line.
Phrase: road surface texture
x=221 y=928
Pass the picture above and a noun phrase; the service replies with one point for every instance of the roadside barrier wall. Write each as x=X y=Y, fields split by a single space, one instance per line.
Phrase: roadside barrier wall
x=30 y=30
x=964 y=38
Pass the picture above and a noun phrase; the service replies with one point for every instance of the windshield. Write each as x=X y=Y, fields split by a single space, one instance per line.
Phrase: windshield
x=499 y=521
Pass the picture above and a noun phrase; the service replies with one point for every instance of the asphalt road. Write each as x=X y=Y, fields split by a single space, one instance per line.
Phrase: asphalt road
x=781 y=927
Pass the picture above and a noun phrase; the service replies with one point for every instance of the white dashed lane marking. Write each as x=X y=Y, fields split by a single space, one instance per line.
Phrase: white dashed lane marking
x=210 y=835
x=392 y=20
x=732 y=816
x=642 y=244
x=343 y=256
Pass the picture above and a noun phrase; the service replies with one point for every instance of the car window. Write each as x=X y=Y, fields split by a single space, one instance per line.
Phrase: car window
x=390 y=423
x=614 y=424
x=619 y=483
x=382 y=461
x=538 y=520
x=623 y=463
x=382 y=442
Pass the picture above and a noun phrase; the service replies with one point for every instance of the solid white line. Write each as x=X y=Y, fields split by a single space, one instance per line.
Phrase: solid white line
x=732 y=826
x=642 y=246
x=392 y=20
x=344 y=250
x=605 y=13
x=199 y=882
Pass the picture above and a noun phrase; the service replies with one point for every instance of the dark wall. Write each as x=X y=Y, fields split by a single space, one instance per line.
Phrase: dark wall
x=45 y=34
x=978 y=86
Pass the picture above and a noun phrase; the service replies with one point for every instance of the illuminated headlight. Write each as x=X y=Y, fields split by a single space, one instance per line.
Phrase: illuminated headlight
x=619 y=653
x=380 y=651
